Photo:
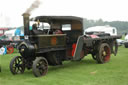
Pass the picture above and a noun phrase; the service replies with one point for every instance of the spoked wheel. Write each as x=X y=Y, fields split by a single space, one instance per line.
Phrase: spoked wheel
x=40 y=66
x=10 y=49
x=104 y=53
x=17 y=65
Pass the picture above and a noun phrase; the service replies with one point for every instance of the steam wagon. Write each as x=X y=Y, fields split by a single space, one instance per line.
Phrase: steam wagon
x=54 y=39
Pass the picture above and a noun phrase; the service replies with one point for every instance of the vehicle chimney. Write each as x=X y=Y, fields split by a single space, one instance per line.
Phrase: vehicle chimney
x=26 y=24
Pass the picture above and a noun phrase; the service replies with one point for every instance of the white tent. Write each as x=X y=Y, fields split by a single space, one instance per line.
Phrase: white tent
x=106 y=29
x=10 y=33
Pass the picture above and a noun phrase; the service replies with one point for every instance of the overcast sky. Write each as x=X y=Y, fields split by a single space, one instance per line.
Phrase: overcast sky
x=108 y=10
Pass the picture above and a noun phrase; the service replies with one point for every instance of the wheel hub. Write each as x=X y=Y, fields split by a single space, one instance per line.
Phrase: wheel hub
x=104 y=53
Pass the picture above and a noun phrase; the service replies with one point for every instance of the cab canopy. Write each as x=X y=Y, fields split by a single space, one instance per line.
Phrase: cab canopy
x=57 y=21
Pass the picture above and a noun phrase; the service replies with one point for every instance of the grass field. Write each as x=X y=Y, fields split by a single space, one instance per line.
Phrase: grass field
x=85 y=72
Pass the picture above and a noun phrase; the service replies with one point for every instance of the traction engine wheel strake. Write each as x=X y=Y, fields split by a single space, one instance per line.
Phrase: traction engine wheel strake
x=104 y=53
x=40 y=66
x=17 y=65
x=10 y=49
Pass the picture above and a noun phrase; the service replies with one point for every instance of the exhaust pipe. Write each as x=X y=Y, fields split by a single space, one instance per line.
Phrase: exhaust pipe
x=26 y=25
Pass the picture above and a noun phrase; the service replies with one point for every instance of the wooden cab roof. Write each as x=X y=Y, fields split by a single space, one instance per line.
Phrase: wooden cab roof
x=76 y=22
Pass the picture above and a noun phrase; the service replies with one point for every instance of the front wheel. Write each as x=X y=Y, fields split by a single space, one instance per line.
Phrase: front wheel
x=104 y=53
x=17 y=65
x=40 y=66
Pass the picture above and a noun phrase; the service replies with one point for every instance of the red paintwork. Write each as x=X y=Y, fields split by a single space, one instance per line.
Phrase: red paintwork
x=73 y=49
x=93 y=36
x=10 y=49
x=3 y=28
x=1 y=34
x=107 y=57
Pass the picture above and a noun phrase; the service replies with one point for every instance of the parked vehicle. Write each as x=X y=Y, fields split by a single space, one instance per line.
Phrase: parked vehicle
x=105 y=29
x=62 y=39
x=120 y=42
x=126 y=41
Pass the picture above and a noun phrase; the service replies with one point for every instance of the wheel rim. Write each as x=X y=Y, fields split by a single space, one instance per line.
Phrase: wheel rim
x=18 y=66
x=106 y=53
x=42 y=67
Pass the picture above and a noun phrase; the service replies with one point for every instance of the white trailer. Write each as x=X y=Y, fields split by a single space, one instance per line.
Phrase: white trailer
x=10 y=33
x=105 y=29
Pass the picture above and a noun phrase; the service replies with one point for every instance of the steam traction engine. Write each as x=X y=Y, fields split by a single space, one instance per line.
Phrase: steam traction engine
x=62 y=39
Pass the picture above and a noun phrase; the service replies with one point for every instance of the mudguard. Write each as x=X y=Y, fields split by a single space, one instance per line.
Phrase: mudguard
x=79 y=47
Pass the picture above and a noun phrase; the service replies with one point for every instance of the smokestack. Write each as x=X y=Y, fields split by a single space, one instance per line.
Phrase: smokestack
x=26 y=15
x=26 y=24
x=34 y=5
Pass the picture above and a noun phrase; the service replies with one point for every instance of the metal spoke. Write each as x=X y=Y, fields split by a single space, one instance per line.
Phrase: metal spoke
x=40 y=67
x=16 y=65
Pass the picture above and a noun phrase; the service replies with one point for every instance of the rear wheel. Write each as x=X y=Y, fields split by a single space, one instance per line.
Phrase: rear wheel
x=103 y=54
x=17 y=65
x=40 y=66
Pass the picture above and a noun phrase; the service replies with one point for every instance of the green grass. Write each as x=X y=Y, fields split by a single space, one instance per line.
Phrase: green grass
x=85 y=72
